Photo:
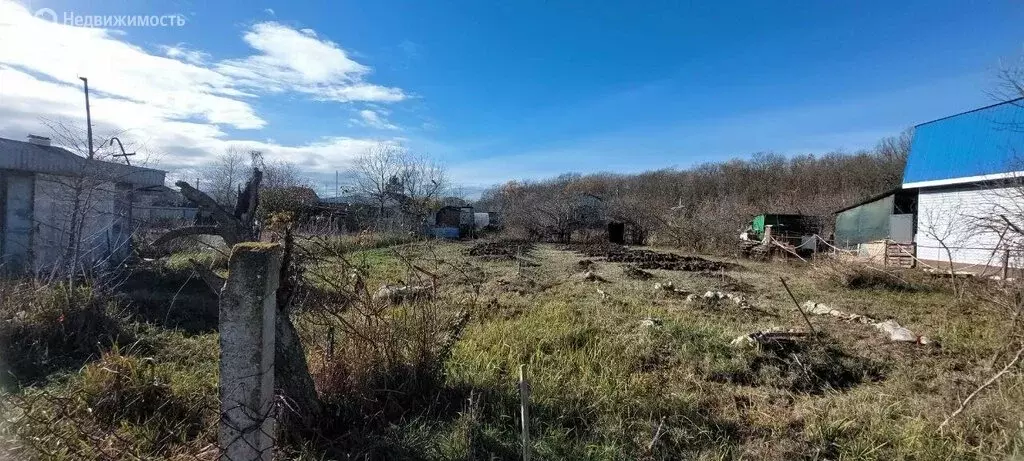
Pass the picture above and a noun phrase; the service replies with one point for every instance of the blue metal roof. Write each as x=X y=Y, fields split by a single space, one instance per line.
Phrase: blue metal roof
x=984 y=141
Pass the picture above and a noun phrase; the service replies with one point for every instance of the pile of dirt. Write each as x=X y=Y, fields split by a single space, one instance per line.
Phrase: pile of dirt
x=799 y=364
x=500 y=249
x=636 y=273
x=647 y=259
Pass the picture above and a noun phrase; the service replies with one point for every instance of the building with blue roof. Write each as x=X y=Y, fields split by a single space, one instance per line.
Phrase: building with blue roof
x=979 y=145
x=966 y=169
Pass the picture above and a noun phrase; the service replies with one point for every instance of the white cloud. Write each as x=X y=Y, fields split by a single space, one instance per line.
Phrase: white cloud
x=374 y=119
x=269 y=11
x=182 y=53
x=298 y=60
x=176 y=100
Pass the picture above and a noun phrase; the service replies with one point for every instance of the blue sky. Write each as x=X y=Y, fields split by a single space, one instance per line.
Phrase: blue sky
x=523 y=89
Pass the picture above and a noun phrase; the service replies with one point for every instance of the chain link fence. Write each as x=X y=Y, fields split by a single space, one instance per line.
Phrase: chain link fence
x=131 y=423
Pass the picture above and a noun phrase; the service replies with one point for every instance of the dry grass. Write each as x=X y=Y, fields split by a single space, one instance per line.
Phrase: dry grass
x=616 y=370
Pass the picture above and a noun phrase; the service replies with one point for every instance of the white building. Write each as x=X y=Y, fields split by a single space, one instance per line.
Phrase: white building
x=39 y=186
x=968 y=169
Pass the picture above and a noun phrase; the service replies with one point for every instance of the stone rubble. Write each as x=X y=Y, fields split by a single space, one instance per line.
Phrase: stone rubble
x=890 y=328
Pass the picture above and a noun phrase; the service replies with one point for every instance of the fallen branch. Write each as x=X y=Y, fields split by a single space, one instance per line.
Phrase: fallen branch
x=213 y=281
x=963 y=405
x=184 y=232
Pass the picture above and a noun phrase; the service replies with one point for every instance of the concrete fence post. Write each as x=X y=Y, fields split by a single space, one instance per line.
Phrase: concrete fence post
x=248 y=306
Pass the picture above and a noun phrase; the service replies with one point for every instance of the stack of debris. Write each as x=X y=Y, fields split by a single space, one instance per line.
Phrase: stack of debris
x=669 y=288
x=398 y=293
x=590 y=276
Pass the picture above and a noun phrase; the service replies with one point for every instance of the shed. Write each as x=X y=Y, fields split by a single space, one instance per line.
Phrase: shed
x=886 y=216
x=38 y=184
x=460 y=218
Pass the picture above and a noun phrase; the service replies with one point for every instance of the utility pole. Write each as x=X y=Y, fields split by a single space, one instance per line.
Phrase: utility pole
x=337 y=194
x=88 y=117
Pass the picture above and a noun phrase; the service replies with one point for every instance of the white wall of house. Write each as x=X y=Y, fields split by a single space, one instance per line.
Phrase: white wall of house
x=53 y=207
x=967 y=221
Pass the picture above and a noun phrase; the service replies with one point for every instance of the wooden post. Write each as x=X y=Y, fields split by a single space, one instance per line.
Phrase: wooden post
x=519 y=260
x=524 y=410
x=1006 y=263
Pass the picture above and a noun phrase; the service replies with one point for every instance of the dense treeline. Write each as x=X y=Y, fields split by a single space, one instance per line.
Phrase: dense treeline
x=702 y=208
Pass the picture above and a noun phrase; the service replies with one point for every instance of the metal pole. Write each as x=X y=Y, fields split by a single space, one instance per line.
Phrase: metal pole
x=524 y=410
x=88 y=117
x=811 y=327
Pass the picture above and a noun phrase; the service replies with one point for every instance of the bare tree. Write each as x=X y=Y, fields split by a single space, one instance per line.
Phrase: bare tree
x=946 y=227
x=222 y=177
x=395 y=178
x=282 y=174
x=374 y=171
x=81 y=215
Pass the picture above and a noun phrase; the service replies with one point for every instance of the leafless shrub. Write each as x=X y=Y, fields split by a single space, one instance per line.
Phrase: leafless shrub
x=857 y=275
x=378 y=360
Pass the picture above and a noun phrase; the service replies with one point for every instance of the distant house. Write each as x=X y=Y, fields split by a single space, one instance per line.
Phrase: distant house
x=967 y=169
x=39 y=184
x=454 y=222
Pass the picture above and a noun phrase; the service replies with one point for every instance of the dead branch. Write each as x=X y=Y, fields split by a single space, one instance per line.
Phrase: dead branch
x=204 y=201
x=213 y=281
x=233 y=228
x=180 y=232
x=963 y=405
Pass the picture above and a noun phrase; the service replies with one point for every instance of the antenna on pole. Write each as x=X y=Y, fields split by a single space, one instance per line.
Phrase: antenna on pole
x=123 y=153
x=88 y=117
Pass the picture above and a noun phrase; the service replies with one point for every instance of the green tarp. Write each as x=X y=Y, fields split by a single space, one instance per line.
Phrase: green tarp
x=864 y=223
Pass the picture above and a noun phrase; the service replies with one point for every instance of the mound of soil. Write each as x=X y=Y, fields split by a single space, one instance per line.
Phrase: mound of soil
x=636 y=273
x=501 y=249
x=810 y=367
x=647 y=259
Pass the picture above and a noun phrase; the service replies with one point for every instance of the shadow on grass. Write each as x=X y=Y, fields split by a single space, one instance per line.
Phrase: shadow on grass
x=173 y=299
x=812 y=367
x=52 y=329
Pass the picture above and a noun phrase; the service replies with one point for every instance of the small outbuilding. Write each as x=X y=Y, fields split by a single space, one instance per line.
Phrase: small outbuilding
x=39 y=187
x=886 y=216
x=453 y=222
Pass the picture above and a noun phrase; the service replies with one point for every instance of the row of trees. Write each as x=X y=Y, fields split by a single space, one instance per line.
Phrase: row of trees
x=401 y=187
x=704 y=207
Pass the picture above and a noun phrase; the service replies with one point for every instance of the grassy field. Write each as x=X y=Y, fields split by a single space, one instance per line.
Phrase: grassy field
x=618 y=370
